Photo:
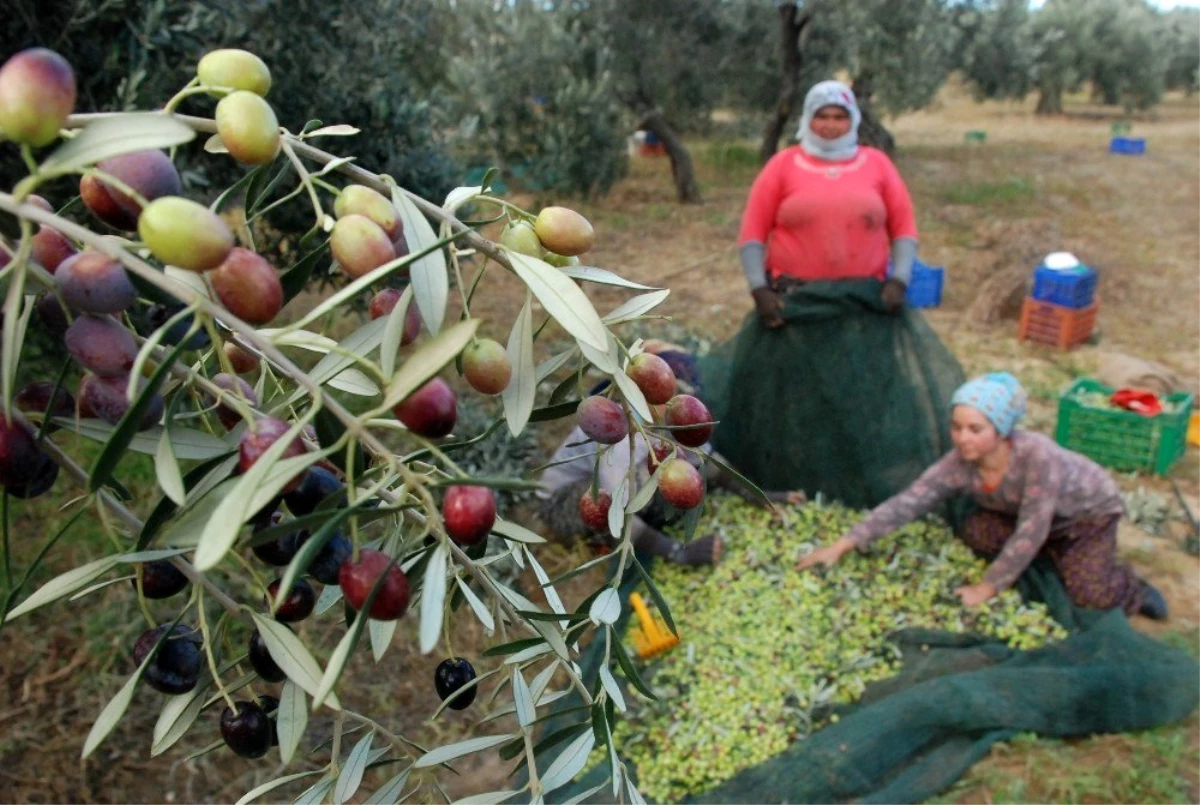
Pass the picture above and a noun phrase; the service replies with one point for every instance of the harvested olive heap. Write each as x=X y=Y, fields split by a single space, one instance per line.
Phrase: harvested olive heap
x=767 y=652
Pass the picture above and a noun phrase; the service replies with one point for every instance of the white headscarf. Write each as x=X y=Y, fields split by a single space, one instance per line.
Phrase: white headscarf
x=829 y=93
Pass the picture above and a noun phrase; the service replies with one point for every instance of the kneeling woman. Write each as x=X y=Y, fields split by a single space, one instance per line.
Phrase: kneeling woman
x=1034 y=497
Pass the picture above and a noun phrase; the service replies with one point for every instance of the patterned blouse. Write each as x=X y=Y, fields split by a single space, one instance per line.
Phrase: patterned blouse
x=1046 y=487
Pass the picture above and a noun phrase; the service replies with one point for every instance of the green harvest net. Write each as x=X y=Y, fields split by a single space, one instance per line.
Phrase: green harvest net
x=845 y=399
x=852 y=402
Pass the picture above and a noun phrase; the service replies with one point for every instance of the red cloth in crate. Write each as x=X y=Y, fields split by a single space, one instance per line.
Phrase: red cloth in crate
x=1140 y=401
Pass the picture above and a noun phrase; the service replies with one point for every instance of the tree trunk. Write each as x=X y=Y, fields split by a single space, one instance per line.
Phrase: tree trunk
x=871 y=131
x=687 y=189
x=1049 y=101
x=791 y=26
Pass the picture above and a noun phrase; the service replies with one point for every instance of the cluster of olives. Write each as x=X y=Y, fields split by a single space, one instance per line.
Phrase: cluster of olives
x=767 y=651
x=95 y=306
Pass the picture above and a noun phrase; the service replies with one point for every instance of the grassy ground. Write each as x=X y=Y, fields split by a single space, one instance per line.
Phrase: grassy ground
x=1035 y=183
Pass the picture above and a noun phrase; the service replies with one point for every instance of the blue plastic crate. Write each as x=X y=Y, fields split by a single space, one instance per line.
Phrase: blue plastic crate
x=1133 y=146
x=1071 y=287
x=925 y=286
x=925 y=289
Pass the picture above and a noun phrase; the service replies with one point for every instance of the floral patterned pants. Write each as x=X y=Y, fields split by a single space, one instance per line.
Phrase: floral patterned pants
x=1083 y=551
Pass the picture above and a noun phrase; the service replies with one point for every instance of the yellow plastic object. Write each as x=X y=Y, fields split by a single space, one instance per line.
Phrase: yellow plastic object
x=654 y=637
x=1193 y=436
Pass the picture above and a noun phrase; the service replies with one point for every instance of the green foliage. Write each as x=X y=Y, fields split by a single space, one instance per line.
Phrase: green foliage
x=998 y=57
x=897 y=52
x=525 y=101
x=662 y=54
x=1183 y=36
x=1013 y=190
x=370 y=64
x=1117 y=45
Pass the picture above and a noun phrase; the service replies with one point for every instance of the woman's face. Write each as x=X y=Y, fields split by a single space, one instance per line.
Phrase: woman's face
x=830 y=122
x=973 y=434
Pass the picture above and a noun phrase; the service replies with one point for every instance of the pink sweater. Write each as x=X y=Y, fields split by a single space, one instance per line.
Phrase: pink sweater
x=828 y=220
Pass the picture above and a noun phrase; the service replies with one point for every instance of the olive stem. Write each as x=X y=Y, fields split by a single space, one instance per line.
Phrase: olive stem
x=191 y=88
x=397 y=741
x=339 y=722
x=109 y=179
x=306 y=179
x=208 y=652
x=143 y=604
x=8 y=576
x=535 y=783
x=27 y=157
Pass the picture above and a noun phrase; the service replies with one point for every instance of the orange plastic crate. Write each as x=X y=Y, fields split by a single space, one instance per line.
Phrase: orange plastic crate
x=1058 y=326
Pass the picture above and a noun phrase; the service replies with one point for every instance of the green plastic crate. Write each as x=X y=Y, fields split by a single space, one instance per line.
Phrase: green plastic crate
x=1121 y=439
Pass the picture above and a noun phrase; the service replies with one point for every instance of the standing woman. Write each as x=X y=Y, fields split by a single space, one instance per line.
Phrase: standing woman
x=827 y=209
x=833 y=387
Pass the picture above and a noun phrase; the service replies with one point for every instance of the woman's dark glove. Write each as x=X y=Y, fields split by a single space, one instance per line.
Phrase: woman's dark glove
x=769 y=306
x=894 y=294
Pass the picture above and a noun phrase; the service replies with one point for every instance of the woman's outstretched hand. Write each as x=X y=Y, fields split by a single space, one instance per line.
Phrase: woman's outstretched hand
x=827 y=556
x=973 y=595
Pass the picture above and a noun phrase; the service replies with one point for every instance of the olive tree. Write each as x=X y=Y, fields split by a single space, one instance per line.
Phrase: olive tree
x=1118 y=46
x=998 y=55
x=526 y=98
x=1183 y=36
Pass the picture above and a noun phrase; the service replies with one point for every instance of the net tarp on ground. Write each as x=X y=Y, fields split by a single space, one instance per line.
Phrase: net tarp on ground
x=913 y=735
x=845 y=399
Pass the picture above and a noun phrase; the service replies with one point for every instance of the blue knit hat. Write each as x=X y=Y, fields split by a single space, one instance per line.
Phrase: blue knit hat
x=998 y=396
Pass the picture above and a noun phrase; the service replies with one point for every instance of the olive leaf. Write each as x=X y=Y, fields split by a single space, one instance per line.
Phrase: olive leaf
x=291 y=720
x=477 y=606
x=427 y=361
x=430 y=277
x=569 y=763
x=519 y=395
x=635 y=307
x=114 y=136
x=488 y=798
x=389 y=792
x=522 y=699
x=603 y=276
x=461 y=749
x=393 y=333
x=561 y=298
x=292 y=657
x=271 y=785
x=62 y=586
x=433 y=598
x=189 y=444
x=351 y=775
